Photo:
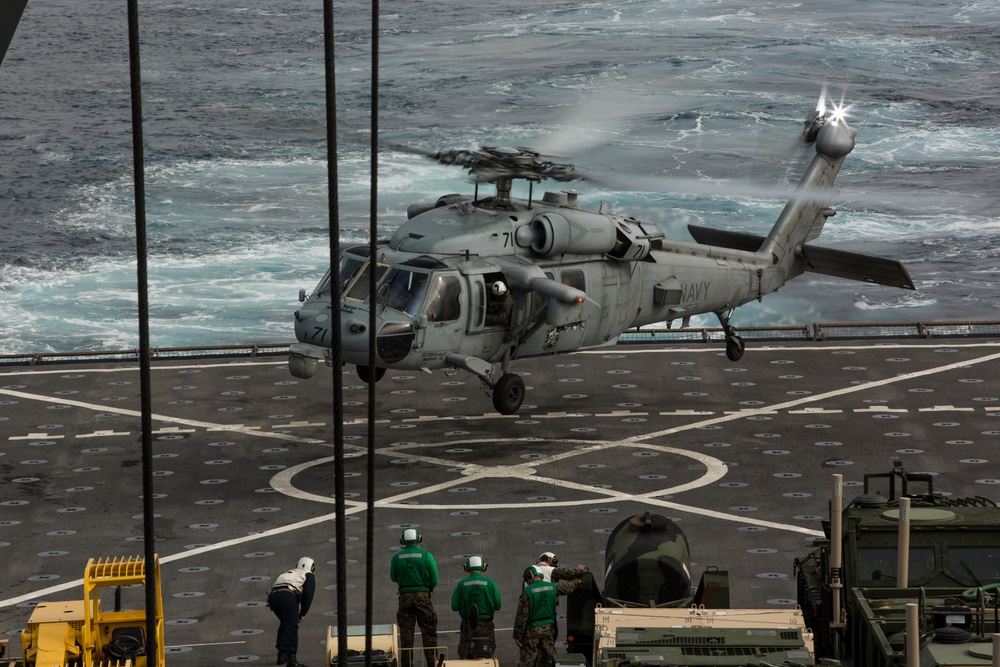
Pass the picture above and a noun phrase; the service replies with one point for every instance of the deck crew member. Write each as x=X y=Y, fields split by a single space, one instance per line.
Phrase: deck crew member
x=566 y=579
x=290 y=599
x=547 y=563
x=535 y=621
x=416 y=573
x=477 y=594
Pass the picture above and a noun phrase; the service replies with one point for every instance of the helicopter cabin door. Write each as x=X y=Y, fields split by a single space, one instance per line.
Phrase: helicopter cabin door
x=491 y=311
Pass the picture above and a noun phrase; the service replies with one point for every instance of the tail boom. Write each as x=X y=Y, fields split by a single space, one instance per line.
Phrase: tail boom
x=816 y=259
x=805 y=214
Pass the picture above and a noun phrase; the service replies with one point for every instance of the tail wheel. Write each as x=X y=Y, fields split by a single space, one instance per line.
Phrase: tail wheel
x=508 y=393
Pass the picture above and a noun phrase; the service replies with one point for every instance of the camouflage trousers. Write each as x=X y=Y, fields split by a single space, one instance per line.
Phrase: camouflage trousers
x=538 y=647
x=480 y=629
x=416 y=608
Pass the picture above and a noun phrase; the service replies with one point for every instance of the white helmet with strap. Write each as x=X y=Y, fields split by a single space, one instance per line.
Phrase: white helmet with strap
x=548 y=557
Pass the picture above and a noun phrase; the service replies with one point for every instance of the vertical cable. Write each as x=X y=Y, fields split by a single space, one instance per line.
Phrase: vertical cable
x=340 y=522
x=138 y=178
x=372 y=371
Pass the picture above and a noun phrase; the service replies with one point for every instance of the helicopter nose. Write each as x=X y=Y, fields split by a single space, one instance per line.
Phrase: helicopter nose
x=312 y=324
x=354 y=332
x=393 y=340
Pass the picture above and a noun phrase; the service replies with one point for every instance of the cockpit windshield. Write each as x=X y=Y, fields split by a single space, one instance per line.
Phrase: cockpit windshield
x=402 y=290
x=358 y=290
x=349 y=267
x=437 y=294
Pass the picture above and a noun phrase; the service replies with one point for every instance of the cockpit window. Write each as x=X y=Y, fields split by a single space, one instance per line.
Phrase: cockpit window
x=359 y=289
x=443 y=304
x=349 y=267
x=406 y=291
x=324 y=285
x=402 y=290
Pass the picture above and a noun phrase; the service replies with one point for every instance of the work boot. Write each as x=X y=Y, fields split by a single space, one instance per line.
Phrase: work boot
x=293 y=661
x=282 y=658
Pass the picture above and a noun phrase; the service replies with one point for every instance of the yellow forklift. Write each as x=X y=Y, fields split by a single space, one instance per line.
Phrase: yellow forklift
x=80 y=633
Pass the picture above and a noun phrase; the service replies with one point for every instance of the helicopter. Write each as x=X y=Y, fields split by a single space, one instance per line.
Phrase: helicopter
x=474 y=283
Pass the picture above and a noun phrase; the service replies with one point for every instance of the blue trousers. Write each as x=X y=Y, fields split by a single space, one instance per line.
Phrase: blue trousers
x=285 y=605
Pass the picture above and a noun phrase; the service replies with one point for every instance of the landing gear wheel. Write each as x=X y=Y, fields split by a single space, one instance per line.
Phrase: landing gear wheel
x=735 y=348
x=508 y=393
x=366 y=376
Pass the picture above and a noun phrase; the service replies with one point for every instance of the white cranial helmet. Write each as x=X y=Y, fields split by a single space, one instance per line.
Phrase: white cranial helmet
x=307 y=563
x=549 y=557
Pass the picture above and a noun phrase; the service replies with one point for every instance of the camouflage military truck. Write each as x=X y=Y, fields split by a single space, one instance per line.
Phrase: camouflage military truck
x=851 y=587
x=647 y=612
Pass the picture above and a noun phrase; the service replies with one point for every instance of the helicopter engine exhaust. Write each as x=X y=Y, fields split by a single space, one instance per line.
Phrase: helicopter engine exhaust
x=583 y=233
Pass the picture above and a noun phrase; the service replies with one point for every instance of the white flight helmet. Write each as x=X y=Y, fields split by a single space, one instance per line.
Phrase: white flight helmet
x=499 y=289
x=307 y=563
x=549 y=557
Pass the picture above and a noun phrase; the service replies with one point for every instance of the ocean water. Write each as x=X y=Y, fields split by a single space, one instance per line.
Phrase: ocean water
x=684 y=112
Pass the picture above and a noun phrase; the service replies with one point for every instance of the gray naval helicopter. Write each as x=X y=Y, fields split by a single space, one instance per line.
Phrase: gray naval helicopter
x=473 y=283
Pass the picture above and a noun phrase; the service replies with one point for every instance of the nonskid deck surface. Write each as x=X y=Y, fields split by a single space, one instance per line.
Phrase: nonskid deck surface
x=739 y=454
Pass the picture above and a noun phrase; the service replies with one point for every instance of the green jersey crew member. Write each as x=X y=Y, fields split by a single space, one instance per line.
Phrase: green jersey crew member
x=535 y=621
x=481 y=592
x=416 y=573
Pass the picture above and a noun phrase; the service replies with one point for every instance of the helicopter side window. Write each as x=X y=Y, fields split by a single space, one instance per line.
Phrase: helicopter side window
x=478 y=303
x=574 y=279
x=443 y=303
x=403 y=290
x=359 y=289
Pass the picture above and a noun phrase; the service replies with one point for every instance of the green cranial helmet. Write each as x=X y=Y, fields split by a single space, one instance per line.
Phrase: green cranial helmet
x=531 y=573
x=475 y=563
x=410 y=536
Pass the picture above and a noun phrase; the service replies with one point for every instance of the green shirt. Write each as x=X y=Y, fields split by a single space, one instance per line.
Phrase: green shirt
x=476 y=589
x=413 y=569
x=541 y=597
